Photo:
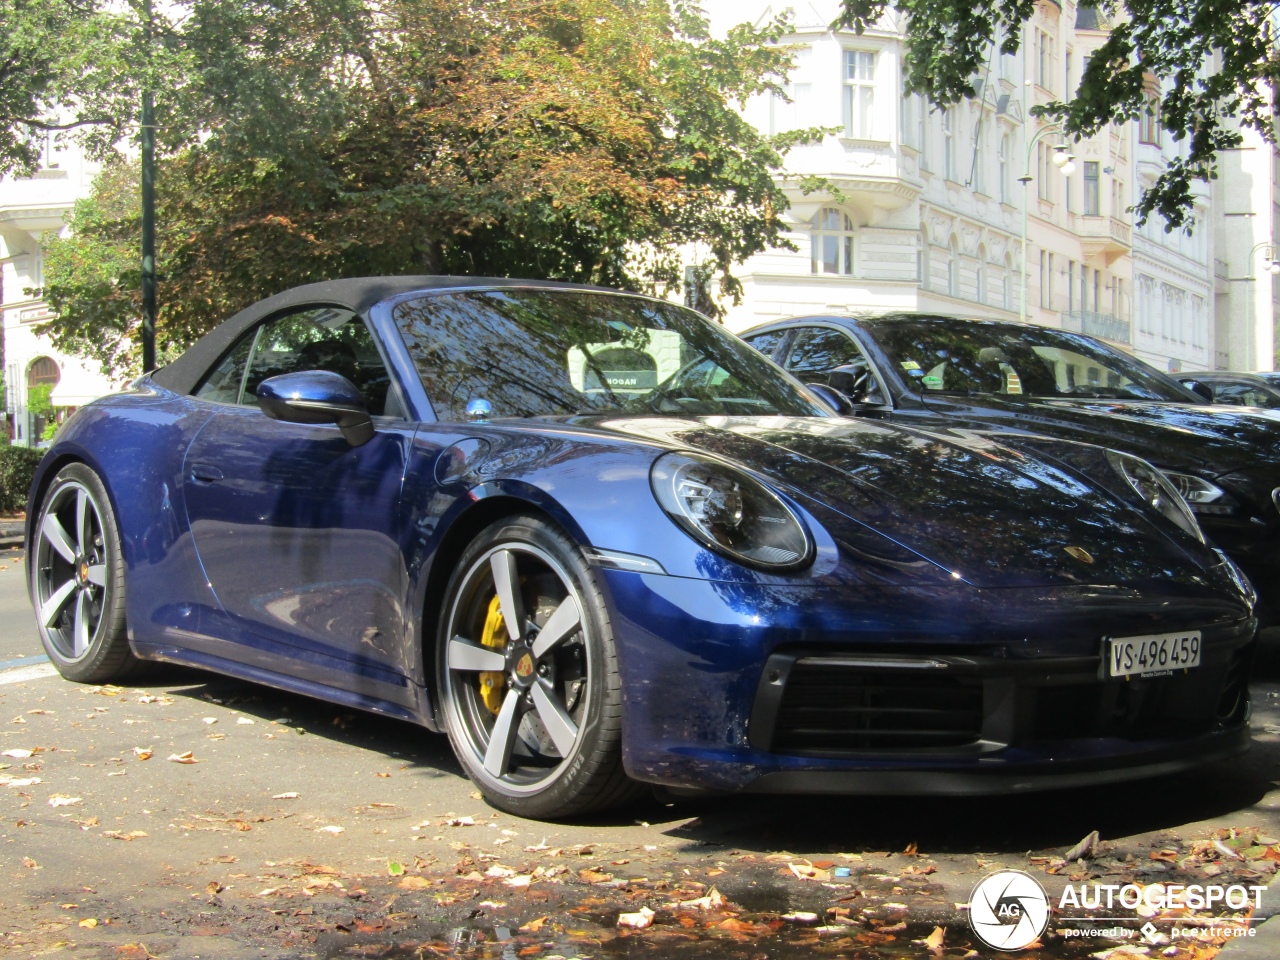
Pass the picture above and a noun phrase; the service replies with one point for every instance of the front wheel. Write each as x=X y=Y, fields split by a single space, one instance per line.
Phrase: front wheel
x=527 y=675
x=77 y=580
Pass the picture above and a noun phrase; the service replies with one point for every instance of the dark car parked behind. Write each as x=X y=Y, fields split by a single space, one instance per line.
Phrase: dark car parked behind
x=942 y=371
x=1238 y=389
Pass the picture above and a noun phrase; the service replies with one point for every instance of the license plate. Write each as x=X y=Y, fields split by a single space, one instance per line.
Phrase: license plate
x=1160 y=653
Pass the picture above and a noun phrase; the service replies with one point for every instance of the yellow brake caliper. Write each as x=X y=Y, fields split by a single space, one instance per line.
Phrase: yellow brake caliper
x=494 y=635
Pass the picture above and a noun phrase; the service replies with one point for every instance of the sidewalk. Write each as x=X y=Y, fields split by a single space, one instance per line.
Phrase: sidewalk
x=1265 y=945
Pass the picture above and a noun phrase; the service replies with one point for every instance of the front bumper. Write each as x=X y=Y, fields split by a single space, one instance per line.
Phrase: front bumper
x=759 y=688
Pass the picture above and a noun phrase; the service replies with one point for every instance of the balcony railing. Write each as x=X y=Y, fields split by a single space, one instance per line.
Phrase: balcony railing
x=1104 y=325
x=1107 y=229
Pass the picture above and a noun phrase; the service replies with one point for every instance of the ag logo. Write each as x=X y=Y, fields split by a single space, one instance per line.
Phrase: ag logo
x=1008 y=910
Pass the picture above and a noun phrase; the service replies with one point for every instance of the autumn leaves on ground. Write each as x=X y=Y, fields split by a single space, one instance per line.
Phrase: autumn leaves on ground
x=200 y=816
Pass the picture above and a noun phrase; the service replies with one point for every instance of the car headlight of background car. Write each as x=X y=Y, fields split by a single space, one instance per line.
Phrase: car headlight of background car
x=1155 y=490
x=1202 y=496
x=730 y=512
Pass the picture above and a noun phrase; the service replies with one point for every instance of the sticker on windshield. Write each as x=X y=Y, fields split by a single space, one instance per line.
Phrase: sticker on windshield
x=934 y=383
x=910 y=366
x=1013 y=383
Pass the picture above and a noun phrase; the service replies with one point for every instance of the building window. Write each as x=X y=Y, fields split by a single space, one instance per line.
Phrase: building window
x=1066 y=73
x=1006 y=282
x=953 y=269
x=948 y=144
x=1149 y=128
x=832 y=242
x=859 y=93
x=1002 y=160
x=1044 y=286
x=981 y=293
x=1091 y=194
x=979 y=157
x=1044 y=72
x=1071 y=286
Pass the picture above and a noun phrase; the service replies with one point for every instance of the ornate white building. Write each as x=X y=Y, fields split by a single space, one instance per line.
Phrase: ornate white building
x=929 y=214
x=31 y=208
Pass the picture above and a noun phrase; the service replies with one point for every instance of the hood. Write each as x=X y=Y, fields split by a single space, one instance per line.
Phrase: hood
x=987 y=514
x=1212 y=440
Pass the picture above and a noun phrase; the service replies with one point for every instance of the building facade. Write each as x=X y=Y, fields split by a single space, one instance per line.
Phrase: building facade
x=983 y=210
x=41 y=385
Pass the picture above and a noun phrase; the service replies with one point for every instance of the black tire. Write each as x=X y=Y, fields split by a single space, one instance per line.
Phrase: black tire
x=570 y=762
x=77 y=580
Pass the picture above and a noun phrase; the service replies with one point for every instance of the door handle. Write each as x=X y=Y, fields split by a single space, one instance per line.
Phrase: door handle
x=205 y=473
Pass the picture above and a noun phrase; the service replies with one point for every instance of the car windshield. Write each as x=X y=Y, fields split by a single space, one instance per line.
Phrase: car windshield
x=545 y=352
x=974 y=357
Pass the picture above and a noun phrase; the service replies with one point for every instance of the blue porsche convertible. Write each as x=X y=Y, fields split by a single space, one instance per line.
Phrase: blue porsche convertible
x=602 y=543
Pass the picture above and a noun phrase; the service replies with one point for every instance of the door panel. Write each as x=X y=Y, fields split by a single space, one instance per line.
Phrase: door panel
x=298 y=532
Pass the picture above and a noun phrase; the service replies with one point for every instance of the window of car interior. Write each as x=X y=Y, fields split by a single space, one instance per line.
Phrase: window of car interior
x=816 y=351
x=767 y=342
x=320 y=338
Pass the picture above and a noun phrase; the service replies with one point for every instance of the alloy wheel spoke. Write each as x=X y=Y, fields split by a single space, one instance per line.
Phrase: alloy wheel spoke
x=562 y=623
x=465 y=655
x=50 y=609
x=81 y=637
x=57 y=537
x=503 y=736
x=559 y=724
x=98 y=574
x=506 y=581
x=84 y=522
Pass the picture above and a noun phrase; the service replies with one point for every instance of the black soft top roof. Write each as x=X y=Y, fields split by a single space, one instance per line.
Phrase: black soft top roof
x=357 y=294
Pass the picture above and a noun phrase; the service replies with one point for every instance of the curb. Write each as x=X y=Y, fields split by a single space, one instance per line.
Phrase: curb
x=1264 y=945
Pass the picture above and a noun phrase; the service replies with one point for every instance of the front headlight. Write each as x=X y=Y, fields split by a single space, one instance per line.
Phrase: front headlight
x=730 y=512
x=1203 y=497
x=1155 y=490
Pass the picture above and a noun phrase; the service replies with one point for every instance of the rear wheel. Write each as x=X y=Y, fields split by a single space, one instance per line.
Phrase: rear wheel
x=77 y=580
x=528 y=677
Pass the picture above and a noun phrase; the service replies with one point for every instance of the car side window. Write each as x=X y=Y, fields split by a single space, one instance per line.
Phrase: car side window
x=325 y=338
x=817 y=351
x=766 y=343
x=1240 y=395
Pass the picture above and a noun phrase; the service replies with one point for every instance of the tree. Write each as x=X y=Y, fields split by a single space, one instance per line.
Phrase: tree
x=1205 y=63
x=583 y=140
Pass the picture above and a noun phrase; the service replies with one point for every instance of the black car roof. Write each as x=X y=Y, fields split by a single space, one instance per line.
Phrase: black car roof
x=357 y=294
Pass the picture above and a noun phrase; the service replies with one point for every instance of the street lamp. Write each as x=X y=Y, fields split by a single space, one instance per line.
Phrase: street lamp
x=1273 y=257
x=1064 y=160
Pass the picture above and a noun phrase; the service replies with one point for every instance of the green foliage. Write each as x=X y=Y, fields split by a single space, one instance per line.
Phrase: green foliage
x=39 y=402
x=1168 y=46
x=17 y=468
x=582 y=140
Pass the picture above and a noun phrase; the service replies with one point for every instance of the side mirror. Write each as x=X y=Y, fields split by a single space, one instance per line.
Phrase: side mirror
x=851 y=380
x=833 y=398
x=1201 y=390
x=317 y=396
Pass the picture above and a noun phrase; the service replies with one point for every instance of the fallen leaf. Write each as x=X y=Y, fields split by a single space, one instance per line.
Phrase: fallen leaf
x=142 y=753
x=291 y=795
x=17 y=754
x=395 y=869
x=523 y=880
x=330 y=829
x=210 y=720
x=89 y=922
x=801 y=916
x=533 y=926
x=414 y=883
x=62 y=800
x=499 y=873
x=934 y=940
x=213 y=888
x=638 y=920
x=1083 y=849
x=187 y=757
x=117 y=835
x=29 y=863
x=595 y=876
x=134 y=951
x=912 y=850
x=21 y=782
x=244 y=721
x=807 y=871
x=460 y=822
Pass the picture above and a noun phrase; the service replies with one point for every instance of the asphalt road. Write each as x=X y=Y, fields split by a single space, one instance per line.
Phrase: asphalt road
x=304 y=830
